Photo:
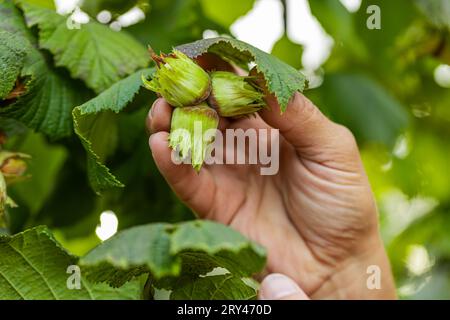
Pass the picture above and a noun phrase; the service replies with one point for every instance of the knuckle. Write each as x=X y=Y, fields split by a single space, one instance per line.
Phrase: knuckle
x=346 y=137
x=303 y=110
x=309 y=109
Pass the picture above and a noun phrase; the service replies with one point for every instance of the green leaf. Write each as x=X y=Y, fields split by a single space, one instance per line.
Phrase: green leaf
x=48 y=4
x=93 y=53
x=49 y=99
x=168 y=251
x=50 y=94
x=12 y=56
x=282 y=80
x=11 y=19
x=96 y=127
x=363 y=105
x=225 y=12
x=219 y=287
x=63 y=208
x=33 y=266
x=11 y=127
x=288 y=51
x=44 y=166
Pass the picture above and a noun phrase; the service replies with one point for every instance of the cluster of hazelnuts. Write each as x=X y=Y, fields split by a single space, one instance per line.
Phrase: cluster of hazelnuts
x=199 y=98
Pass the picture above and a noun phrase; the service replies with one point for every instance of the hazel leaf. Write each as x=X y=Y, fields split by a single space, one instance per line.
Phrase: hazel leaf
x=91 y=52
x=282 y=79
x=33 y=265
x=171 y=251
x=95 y=125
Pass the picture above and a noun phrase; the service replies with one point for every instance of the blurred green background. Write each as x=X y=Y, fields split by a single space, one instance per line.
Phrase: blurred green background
x=390 y=86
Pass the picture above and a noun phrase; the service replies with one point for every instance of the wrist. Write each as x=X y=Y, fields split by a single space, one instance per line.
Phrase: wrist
x=366 y=275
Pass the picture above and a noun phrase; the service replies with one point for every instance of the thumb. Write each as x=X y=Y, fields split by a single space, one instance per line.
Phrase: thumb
x=277 y=286
x=306 y=128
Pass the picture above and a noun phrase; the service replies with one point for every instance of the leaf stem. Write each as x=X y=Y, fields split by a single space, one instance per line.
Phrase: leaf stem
x=285 y=13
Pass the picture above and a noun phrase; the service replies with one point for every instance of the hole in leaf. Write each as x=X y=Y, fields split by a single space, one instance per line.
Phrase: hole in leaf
x=170 y=229
x=198 y=224
x=18 y=90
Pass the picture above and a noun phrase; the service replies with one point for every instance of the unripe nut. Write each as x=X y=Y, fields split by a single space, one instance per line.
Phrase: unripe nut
x=193 y=130
x=234 y=96
x=179 y=80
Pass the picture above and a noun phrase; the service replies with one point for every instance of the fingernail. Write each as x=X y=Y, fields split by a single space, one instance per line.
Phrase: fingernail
x=150 y=141
x=150 y=138
x=277 y=286
x=152 y=109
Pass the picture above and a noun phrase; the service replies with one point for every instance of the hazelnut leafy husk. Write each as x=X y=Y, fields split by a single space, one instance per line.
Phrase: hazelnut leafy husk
x=192 y=132
x=13 y=165
x=179 y=80
x=234 y=96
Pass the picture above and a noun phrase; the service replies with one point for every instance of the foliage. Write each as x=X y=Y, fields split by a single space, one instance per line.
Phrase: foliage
x=13 y=51
x=184 y=252
x=380 y=83
x=33 y=266
x=71 y=98
x=282 y=80
x=97 y=127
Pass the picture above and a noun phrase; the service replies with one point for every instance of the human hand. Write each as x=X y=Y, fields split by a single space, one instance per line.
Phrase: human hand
x=317 y=217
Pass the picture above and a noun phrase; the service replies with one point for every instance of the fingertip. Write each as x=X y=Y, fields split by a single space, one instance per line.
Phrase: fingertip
x=277 y=286
x=156 y=138
x=302 y=123
x=159 y=115
x=272 y=109
x=158 y=143
x=181 y=177
x=162 y=154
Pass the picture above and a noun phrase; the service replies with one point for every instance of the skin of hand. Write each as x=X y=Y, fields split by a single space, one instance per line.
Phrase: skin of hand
x=317 y=217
